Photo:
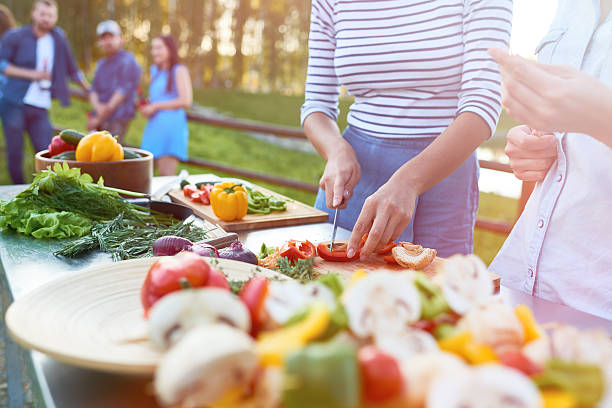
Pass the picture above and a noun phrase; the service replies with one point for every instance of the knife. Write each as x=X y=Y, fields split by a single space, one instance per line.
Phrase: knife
x=160 y=192
x=335 y=228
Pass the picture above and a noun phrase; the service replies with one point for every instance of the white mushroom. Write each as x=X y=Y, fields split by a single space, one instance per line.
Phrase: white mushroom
x=286 y=298
x=495 y=324
x=404 y=345
x=465 y=282
x=413 y=256
x=178 y=312
x=205 y=364
x=382 y=303
x=423 y=369
x=484 y=386
x=269 y=388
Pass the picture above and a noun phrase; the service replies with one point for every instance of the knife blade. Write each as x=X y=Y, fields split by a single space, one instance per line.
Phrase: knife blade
x=160 y=192
x=335 y=228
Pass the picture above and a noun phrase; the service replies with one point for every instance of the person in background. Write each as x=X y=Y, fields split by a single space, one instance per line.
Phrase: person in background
x=170 y=93
x=7 y=21
x=37 y=62
x=113 y=90
x=559 y=249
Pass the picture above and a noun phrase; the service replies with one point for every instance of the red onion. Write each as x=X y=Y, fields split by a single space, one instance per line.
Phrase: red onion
x=204 y=249
x=171 y=245
x=239 y=253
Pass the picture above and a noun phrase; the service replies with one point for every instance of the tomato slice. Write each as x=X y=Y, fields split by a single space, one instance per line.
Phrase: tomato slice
x=516 y=359
x=217 y=279
x=253 y=295
x=337 y=255
x=294 y=250
x=381 y=377
x=196 y=197
x=189 y=189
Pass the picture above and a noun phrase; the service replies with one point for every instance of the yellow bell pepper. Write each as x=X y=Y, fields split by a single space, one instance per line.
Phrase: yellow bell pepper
x=272 y=347
x=558 y=399
x=97 y=147
x=530 y=327
x=358 y=275
x=464 y=346
x=229 y=201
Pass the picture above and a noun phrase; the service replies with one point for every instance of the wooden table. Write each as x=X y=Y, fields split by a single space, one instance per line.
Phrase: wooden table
x=28 y=263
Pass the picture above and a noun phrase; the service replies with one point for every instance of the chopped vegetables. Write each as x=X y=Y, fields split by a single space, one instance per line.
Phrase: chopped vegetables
x=338 y=254
x=294 y=250
x=259 y=203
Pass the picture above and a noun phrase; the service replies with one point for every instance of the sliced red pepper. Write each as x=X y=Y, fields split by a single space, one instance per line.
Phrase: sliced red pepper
x=294 y=250
x=337 y=255
x=382 y=251
x=253 y=295
x=390 y=260
x=196 y=197
x=189 y=189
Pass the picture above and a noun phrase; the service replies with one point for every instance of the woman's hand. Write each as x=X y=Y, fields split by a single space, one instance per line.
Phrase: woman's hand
x=341 y=175
x=555 y=97
x=531 y=154
x=148 y=110
x=385 y=215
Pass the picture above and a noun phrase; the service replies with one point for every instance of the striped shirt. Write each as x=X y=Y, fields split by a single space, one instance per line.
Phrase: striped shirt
x=412 y=66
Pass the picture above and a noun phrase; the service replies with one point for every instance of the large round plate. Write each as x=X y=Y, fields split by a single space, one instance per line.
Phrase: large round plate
x=94 y=319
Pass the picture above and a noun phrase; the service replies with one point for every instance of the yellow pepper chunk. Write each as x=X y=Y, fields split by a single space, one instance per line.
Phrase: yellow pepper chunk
x=272 y=347
x=558 y=399
x=464 y=346
x=530 y=327
x=229 y=201
x=97 y=147
x=357 y=276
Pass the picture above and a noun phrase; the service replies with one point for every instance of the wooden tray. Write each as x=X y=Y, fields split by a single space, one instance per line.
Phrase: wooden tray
x=94 y=319
x=376 y=263
x=297 y=213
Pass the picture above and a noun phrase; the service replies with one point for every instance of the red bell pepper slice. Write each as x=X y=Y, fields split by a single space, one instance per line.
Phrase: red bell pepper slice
x=382 y=251
x=253 y=295
x=390 y=260
x=294 y=250
x=337 y=255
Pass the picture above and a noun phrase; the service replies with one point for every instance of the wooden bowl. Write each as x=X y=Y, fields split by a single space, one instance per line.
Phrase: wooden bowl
x=132 y=174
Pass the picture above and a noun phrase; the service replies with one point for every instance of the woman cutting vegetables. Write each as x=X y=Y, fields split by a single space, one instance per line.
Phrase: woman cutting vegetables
x=426 y=95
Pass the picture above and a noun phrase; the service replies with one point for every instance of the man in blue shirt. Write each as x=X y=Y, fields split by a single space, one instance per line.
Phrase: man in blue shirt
x=115 y=83
x=37 y=62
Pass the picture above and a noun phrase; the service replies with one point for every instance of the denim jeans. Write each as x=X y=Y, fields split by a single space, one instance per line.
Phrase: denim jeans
x=16 y=119
x=444 y=215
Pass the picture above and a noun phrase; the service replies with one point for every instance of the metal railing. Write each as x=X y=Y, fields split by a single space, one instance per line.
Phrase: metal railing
x=292 y=132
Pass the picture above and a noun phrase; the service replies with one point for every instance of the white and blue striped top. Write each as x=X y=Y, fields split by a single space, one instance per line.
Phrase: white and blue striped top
x=412 y=66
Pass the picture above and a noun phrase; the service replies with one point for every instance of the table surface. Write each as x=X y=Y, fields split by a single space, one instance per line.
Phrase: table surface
x=28 y=263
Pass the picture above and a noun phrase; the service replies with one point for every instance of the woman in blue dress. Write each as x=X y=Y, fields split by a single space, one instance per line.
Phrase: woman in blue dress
x=170 y=93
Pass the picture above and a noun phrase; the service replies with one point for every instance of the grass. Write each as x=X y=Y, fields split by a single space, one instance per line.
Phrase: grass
x=240 y=150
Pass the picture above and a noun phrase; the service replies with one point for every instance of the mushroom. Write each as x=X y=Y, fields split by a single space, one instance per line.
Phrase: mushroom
x=286 y=298
x=206 y=363
x=178 y=312
x=465 y=282
x=484 y=386
x=404 y=345
x=423 y=369
x=413 y=256
x=382 y=303
x=495 y=324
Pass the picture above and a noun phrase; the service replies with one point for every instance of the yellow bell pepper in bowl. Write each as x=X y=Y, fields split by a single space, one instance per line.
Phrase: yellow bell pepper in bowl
x=99 y=146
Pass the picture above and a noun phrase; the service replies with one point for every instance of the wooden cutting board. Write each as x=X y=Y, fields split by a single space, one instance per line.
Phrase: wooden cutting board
x=376 y=263
x=297 y=213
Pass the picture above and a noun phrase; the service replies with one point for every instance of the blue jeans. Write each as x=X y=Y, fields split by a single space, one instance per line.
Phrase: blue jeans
x=444 y=215
x=16 y=119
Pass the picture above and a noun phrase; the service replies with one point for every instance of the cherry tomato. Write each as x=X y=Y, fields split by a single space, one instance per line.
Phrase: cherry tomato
x=188 y=190
x=516 y=359
x=380 y=375
x=253 y=295
x=337 y=255
x=294 y=250
x=216 y=279
x=170 y=274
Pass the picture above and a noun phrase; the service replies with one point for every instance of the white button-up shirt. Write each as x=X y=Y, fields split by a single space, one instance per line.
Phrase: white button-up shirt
x=561 y=247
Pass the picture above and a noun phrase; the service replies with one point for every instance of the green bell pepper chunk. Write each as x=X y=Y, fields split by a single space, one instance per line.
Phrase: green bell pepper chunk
x=584 y=381
x=433 y=302
x=323 y=375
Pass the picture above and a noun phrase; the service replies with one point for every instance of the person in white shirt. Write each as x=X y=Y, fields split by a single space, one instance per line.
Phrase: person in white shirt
x=559 y=248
